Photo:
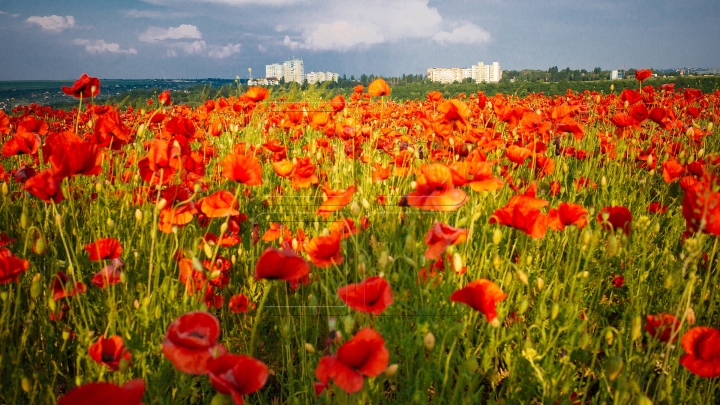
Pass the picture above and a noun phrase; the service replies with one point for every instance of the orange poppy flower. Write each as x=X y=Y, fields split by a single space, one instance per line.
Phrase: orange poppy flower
x=109 y=352
x=481 y=295
x=283 y=168
x=104 y=249
x=256 y=94
x=191 y=341
x=379 y=88
x=517 y=154
x=702 y=345
x=106 y=393
x=219 y=204
x=275 y=264
x=672 y=170
x=304 y=175
x=84 y=87
x=22 y=143
x=338 y=103
x=440 y=236
x=567 y=214
x=363 y=355
x=243 y=168
x=372 y=295
x=324 y=251
x=164 y=98
x=335 y=199
x=359 y=88
x=435 y=191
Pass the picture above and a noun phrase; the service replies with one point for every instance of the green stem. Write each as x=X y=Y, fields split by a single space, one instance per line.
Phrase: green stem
x=258 y=318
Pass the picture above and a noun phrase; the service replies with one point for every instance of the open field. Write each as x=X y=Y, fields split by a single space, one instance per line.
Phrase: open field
x=363 y=249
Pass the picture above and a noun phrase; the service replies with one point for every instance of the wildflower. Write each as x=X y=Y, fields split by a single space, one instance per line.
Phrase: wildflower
x=702 y=348
x=109 y=351
x=481 y=295
x=372 y=295
x=191 y=341
x=106 y=393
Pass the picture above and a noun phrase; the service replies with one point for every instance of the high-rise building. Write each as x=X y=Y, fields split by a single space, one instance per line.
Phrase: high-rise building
x=486 y=73
x=445 y=75
x=293 y=70
x=275 y=70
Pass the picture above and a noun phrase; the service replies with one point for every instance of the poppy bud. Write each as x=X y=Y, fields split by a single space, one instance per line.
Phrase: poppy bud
x=523 y=306
x=497 y=236
x=5 y=189
x=136 y=304
x=429 y=341
x=690 y=315
x=709 y=127
x=161 y=204
x=233 y=259
x=584 y=340
x=609 y=337
x=614 y=366
x=603 y=181
x=522 y=276
x=66 y=336
x=309 y=348
x=208 y=250
x=221 y=399
x=383 y=260
x=223 y=228
x=554 y=310
x=361 y=268
x=457 y=263
x=138 y=215
x=4 y=295
x=355 y=209
x=40 y=245
x=636 y=330
x=612 y=246
x=391 y=370
x=25 y=384
x=123 y=365
x=51 y=304
x=348 y=324
x=471 y=365
x=196 y=264
x=644 y=400
x=24 y=220
x=668 y=282
x=540 y=284
x=110 y=224
x=612 y=87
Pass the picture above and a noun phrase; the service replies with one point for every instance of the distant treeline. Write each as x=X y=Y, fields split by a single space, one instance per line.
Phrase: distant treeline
x=407 y=87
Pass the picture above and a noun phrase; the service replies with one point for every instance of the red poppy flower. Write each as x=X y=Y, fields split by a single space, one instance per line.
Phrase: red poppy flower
x=359 y=88
x=243 y=168
x=191 y=341
x=481 y=295
x=237 y=375
x=363 y=355
x=164 y=98
x=618 y=281
x=106 y=393
x=108 y=275
x=657 y=208
x=702 y=345
x=275 y=264
x=240 y=303
x=701 y=208
x=219 y=204
x=642 y=74
x=109 y=351
x=372 y=295
x=379 y=88
x=440 y=236
x=22 y=143
x=324 y=251
x=45 y=186
x=337 y=103
x=567 y=214
x=62 y=288
x=662 y=326
x=104 y=249
x=617 y=218
x=335 y=199
x=10 y=266
x=523 y=217
x=71 y=158
x=84 y=87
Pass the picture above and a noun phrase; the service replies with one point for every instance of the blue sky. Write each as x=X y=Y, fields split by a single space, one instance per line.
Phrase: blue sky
x=223 y=38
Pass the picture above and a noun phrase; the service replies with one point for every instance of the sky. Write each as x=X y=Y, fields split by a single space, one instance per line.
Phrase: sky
x=137 y=39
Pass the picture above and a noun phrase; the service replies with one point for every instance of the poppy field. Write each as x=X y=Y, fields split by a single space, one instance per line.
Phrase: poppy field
x=332 y=250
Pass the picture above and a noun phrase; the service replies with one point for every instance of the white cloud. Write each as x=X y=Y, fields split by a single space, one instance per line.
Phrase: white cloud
x=224 y=52
x=262 y=49
x=53 y=23
x=11 y=15
x=343 y=25
x=190 y=48
x=171 y=53
x=464 y=34
x=100 y=46
x=184 y=31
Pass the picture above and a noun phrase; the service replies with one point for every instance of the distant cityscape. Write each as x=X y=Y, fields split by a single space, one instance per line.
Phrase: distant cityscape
x=292 y=70
x=479 y=73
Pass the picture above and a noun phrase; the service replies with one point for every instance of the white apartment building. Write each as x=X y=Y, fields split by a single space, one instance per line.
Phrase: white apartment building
x=275 y=70
x=319 y=77
x=445 y=75
x=293 y=70
x=616 y=74
x=486 y=73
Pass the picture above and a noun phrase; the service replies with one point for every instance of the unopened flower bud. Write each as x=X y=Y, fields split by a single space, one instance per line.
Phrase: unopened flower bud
x=497 y=236
x=5 y=189
x=208 y=250
x=123 y=366
x=365 y=203
x=609 y=337
x=24 y=220
x=636 y=331
x=309 y=348
x=25 y=384
x=355 y=209
x=613 y=367
x=223 y=228
x=539 y=284
x=161 y=204
x=110 y=224
x=40 y=245
x=383 y=260
x=457 y=263
x=391 y=370
x=410 y=242
x=138 y=215
x=522 y=276
x=429 y=341
x=65 y=334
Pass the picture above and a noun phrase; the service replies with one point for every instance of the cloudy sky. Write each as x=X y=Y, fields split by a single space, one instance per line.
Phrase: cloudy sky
x=50 y=39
